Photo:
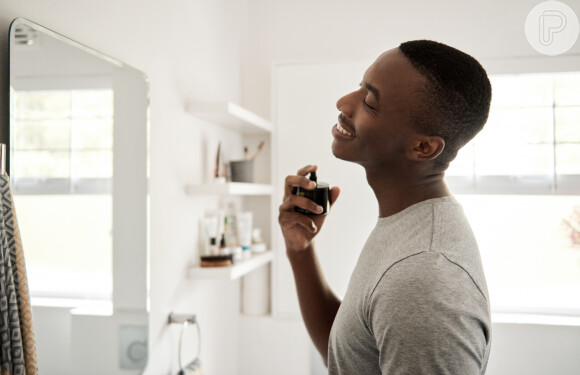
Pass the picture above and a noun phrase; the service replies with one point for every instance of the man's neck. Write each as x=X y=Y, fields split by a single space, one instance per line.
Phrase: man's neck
x=394 y=194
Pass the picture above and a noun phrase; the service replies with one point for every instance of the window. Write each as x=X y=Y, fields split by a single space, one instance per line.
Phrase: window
x=64 y=141
x=62 y=169
x=519 y=182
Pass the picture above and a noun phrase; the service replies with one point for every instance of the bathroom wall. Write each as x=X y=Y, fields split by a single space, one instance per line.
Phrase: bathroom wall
x=190 y=50
x=326 y=30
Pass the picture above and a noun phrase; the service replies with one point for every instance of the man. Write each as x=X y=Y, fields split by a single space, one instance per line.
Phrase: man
x=417 y=301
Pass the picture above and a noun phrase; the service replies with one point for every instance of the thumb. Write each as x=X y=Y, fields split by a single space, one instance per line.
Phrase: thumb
x=333 y=194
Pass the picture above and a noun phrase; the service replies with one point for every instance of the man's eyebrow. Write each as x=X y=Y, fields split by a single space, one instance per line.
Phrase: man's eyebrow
x=373 y=90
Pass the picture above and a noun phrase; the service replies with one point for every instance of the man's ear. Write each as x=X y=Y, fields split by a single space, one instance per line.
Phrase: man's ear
x=425 y=148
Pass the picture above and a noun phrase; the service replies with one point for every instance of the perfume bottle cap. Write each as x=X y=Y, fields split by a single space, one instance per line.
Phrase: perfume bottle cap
x=313 y=176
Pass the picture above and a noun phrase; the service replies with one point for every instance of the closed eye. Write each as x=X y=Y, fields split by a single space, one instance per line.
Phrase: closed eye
x=369 y=106
x=373 y=91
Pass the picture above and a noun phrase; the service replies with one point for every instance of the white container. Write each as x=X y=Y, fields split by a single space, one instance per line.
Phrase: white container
x=258 y=244
x=256 y=292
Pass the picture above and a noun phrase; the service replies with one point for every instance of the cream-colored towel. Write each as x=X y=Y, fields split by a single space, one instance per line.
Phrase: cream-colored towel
x=26 y=322
x=16 y=325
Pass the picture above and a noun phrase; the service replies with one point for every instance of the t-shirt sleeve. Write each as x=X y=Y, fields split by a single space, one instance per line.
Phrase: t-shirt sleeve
x=429 y=317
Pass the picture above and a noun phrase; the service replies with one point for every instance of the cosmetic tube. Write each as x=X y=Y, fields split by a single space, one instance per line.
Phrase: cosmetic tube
x=244 y=223
x=210 y=225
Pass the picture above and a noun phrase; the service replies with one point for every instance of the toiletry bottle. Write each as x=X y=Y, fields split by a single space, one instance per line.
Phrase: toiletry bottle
x=224 y=250
x=213 y=247
x=320 y=195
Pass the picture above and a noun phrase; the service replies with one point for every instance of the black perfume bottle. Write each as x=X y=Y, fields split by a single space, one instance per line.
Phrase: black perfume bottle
x=319 y=195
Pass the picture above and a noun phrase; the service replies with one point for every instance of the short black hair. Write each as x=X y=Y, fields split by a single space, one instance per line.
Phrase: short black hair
x=458 y=95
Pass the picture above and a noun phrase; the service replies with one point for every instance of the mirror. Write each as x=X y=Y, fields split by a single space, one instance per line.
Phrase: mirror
x=78 y=165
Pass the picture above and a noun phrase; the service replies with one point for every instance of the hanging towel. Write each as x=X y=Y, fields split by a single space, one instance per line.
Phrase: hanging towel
x=18 y=351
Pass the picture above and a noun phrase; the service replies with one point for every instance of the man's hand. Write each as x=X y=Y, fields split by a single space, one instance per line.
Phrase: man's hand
x=299 y=229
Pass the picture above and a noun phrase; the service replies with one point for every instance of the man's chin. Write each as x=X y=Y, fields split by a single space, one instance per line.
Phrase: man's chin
x=338 y=153
x=344 y=156
x=334 y=151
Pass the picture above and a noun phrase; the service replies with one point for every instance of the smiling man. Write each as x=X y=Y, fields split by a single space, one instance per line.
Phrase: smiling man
x=417 y=301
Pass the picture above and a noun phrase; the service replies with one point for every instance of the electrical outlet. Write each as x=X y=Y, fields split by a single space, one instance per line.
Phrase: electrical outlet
x=133 y=347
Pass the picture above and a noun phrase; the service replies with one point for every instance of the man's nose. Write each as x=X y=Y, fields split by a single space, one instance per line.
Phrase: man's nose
x=346 y=104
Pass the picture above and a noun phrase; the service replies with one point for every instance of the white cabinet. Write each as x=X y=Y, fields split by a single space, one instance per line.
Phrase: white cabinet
x=257 y=196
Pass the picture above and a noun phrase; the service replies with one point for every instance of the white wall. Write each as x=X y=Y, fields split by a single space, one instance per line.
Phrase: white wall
x=190 y=50
x=534 y=349
x=348 y=30
x=341 y=240
x=53 y=330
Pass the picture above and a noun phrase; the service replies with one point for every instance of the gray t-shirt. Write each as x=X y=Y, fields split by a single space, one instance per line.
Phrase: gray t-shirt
x=417 y=301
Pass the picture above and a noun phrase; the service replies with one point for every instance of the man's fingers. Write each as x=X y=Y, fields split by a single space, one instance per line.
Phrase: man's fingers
x=297 y=201
x=289 y=219
x=297 y=181
x=334 y=193
x=307 y=169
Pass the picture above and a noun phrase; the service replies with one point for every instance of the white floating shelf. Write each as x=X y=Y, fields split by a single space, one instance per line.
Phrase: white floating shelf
x=229 y=188
x=237 y=270
x=231 y=116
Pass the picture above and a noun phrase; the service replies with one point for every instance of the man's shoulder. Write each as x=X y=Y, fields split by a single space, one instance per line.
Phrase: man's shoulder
x=428 y=307
x=426 y=273
x=437 y=225
x=427 y=284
